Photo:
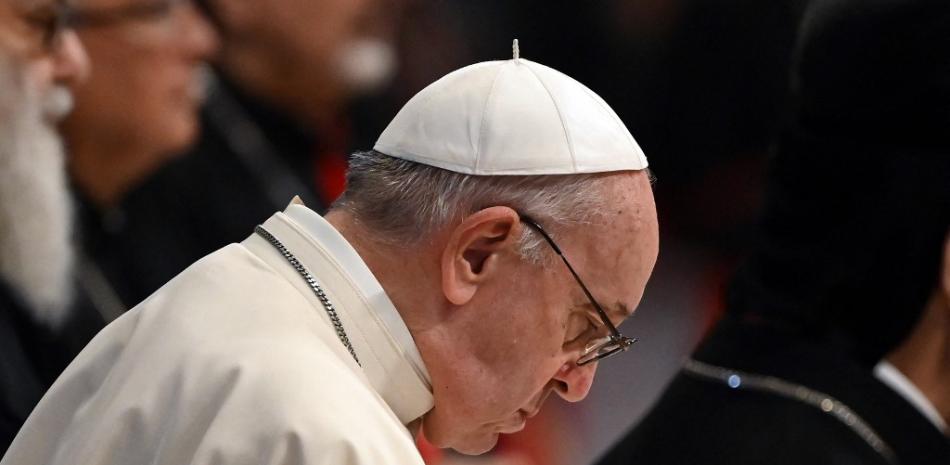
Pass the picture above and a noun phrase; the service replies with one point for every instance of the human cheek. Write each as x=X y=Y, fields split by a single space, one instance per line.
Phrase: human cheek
x=39 y=76
x=172 y=100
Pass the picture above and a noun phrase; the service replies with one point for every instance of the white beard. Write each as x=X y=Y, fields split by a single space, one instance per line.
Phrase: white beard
x=36 y=212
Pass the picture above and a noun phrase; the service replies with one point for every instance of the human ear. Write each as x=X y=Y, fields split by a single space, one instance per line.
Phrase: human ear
x=472 y=252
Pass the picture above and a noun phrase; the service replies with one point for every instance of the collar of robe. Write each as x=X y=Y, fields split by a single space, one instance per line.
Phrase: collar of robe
x=388 y=357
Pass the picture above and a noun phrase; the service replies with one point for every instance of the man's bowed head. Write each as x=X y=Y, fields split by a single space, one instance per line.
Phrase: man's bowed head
x=442 y=211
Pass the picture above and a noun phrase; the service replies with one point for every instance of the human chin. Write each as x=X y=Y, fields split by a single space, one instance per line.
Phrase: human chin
x=477 y=443
x=461 y=438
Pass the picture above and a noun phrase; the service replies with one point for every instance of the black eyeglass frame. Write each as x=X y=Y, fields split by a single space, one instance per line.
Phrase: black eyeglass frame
x=54 y=21
x=615 y=342
x=142 y=11
x=64 y=17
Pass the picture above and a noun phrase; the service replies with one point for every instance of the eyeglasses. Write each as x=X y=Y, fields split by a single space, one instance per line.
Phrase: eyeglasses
x=140 y=11
x=56 y=18
x=600 y=348
x=52 y=21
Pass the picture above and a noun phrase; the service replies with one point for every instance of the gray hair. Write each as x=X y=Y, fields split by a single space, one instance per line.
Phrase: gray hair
x=403 y=202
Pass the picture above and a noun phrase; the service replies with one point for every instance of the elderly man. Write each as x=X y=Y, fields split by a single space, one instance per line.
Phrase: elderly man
x=480 y=260
x=38 y=58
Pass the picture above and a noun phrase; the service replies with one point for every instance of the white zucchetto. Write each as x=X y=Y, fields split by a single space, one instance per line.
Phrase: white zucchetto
x=513 y=117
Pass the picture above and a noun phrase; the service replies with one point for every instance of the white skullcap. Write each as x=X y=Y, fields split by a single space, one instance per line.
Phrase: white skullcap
x=513 y=117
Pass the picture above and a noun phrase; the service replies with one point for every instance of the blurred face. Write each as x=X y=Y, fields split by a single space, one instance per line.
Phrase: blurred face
x=143 y=92
x=330 y=48
x=38 y=59
x=518 y=338
x=49 y=56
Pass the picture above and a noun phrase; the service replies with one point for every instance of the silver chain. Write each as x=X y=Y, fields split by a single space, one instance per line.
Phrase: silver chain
x=312 y=282
x=736 y=379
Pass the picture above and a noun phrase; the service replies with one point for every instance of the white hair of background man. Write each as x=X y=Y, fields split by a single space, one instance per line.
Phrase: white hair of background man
x=403 y=202
x=36 y=224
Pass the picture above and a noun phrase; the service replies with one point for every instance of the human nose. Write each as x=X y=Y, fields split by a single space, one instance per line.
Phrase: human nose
x=200 y=38
x=573 y=381
x=70 y=61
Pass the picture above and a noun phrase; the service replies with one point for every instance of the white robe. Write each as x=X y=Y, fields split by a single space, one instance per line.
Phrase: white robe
x=235 y=361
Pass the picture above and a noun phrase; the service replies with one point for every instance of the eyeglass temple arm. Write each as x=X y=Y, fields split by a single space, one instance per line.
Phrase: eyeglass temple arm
x=530 y=222
x=613 y=330
x=86 y=18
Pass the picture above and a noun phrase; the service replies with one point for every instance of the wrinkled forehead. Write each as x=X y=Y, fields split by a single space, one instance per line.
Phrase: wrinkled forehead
x=628 y=227
x=618 y=249
x=629 y=208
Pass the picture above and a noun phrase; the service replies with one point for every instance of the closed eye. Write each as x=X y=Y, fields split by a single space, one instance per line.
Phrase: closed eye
x=581 y=327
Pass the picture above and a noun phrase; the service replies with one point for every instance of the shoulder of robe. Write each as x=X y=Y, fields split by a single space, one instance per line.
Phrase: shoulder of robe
x=225 y=364
x=232 y=319
x=301 y=408
x=287 y=389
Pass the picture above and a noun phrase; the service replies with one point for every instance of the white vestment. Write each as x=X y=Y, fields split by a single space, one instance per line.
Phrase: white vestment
x=235 y=361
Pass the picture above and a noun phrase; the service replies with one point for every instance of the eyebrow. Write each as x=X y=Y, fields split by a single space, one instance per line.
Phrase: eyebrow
x=620 y=309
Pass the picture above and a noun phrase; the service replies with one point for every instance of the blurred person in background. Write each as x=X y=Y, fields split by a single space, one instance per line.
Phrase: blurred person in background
x=137 y=110
x=39 y=57
x=836 y=343
x=275 y=125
